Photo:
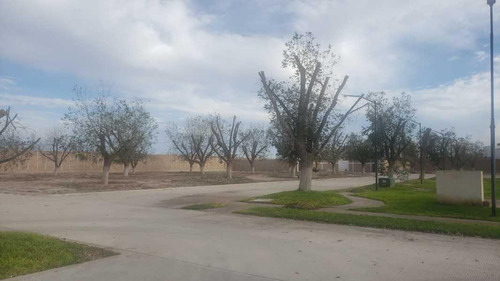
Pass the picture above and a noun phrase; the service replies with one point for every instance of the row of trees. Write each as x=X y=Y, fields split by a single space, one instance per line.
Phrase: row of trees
x=99 y=129
x=306 y=126
x=306 y=123
x=200 y=138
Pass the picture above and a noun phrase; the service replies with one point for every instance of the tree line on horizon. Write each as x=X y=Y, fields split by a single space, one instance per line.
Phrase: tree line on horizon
x=306 y=126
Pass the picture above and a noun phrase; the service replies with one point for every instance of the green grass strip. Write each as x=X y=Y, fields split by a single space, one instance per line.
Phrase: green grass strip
x=413 y=198
x=449 y=228
x=22 y=253
x=307 y=200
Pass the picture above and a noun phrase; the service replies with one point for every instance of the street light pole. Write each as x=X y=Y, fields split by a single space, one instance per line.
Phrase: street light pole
x=492 y=125
x=376 y=147
x=421 y=154
x=375 y=132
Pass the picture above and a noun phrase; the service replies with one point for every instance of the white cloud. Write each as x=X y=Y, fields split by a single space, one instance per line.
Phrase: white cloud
x=463 y=104
x=6 y=82
x=481 y=55
x=378 y=39
x=40 y=102
x=165 y=51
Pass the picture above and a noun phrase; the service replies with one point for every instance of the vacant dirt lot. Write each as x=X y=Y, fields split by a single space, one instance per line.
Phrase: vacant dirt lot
x=89 y=182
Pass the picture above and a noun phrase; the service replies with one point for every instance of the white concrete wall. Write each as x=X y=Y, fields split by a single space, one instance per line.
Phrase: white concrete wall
x=460 y=187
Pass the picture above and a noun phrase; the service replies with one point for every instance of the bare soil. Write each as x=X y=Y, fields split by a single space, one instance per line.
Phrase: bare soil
x=91 y=182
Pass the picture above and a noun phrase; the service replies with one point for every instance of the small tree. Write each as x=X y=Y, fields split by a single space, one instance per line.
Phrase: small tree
x=284 y=148
x=335 y=150
x=202 y=139
x=360 y=149
x=137 y=133
x=12 y=146
x=100 y=126
x=410 y=156
x=255 y=145
x=139 y=154
x=475 y=153
x=194 y=141
x=395 y=126
x=183 y=144
x=437 y=146
x=57 y=147
x=228 y=140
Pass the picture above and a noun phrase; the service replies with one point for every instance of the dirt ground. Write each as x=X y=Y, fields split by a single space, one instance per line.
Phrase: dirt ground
x=89 y=182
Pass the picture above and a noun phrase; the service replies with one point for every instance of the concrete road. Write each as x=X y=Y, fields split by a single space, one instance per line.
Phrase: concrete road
x=160 y=243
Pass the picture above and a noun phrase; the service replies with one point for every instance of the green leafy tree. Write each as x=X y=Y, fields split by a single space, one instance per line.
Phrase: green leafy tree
x=395 y=126
x=335 y=149
x=360 y=149
x=108 y=129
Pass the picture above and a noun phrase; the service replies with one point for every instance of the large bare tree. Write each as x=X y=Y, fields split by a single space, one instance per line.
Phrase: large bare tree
x=227 y=141
x=12 y=145
x=255 y=145
x=57 y=147
x=304 y=107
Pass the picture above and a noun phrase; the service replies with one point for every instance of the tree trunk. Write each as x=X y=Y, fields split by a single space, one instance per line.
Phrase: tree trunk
x=252 y=166
x=202 y=168
x=390 y=170
x=362 y=168
x=229 y=170
x=105 y=171
x=292 y=170
x=56 y=170
x=191 y=167
x=126 y=169
x=306 y=166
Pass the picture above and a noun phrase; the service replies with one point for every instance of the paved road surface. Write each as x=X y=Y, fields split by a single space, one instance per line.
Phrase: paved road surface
x=160 y=243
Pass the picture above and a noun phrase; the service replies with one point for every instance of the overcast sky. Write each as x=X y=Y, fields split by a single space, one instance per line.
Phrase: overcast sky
x=191 y=57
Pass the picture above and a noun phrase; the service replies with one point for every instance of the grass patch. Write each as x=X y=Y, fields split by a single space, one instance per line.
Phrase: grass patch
x=22 y=253
x=413 y=198
x=487 y=188
x=204 y=206
x=460 y=229
x=308 y=200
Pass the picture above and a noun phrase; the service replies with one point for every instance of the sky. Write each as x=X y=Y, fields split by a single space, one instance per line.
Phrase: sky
x=202 y=57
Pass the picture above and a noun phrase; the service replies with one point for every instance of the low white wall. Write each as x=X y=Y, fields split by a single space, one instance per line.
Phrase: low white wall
x=460 y=187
